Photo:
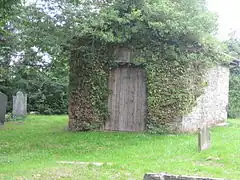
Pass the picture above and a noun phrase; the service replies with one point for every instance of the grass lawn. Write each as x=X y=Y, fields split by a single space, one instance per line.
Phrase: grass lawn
x=31 y=149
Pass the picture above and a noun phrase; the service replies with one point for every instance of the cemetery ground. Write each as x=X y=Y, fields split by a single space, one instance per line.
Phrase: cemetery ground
x=31 y=149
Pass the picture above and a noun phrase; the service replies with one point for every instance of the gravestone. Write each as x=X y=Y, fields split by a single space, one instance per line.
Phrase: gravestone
x=19 y=105
x=204 y=141
x=164 y=176
x=3 y=107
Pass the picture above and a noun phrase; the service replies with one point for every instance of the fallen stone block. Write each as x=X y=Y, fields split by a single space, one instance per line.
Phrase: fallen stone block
x=83 y=163
x=164 y=176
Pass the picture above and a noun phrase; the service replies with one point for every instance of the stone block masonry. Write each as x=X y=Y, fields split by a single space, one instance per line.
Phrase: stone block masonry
x=212 y=105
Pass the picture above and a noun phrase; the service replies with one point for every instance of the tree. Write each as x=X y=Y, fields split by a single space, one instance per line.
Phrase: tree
x=233 y=45
x=31 y=60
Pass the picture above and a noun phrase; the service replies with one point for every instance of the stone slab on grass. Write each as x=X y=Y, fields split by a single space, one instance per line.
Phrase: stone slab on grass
x=164 y=176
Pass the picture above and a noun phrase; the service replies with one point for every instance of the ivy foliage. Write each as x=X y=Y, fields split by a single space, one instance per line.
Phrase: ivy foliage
x=173 y=39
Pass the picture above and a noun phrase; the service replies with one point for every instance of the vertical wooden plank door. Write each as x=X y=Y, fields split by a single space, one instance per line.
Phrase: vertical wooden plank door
x=127 y=101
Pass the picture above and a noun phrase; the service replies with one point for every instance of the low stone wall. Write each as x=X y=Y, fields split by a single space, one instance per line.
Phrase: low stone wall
x=212 y=105
x=163 y=176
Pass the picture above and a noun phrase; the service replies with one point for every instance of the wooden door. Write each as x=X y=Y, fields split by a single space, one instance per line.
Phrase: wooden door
x=127 y=101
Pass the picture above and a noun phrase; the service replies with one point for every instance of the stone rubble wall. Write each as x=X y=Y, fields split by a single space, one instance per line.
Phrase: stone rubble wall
x=212 y=105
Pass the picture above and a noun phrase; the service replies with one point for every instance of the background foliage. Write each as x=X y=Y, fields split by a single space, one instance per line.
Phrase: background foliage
x=31 y=59
x=234 y=97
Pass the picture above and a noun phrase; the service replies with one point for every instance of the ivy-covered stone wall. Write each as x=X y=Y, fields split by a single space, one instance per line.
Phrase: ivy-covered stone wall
x=211 y=107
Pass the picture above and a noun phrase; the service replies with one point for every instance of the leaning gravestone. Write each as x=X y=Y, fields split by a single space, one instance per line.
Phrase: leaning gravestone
x=3 y=107
x=19 y=105
x=204 y=141
x=164 y=176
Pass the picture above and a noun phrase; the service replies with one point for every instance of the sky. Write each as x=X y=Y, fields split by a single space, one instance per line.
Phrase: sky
x=229 y=15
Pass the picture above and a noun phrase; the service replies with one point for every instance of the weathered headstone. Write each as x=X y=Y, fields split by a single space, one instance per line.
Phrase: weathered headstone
x=204 y=141
x=164 y=176
x=19 y=105
x=3 y=107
